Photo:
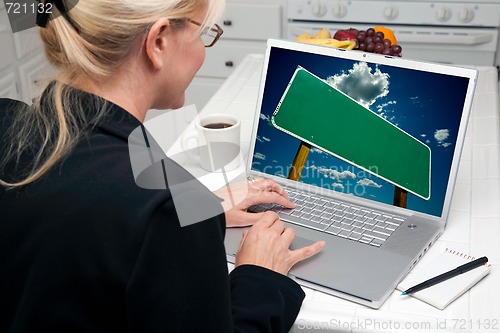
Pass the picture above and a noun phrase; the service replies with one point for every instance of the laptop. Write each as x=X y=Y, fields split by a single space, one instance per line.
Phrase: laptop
x=367 y=146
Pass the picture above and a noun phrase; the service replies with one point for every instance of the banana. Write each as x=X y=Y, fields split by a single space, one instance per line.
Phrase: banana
x=323 y=33
x=354 y=44
x=323 y=38
x=344 y=44
x=303 y=37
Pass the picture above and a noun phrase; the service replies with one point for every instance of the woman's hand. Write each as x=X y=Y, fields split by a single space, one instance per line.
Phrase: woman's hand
x=267 y=244
x=240 y=196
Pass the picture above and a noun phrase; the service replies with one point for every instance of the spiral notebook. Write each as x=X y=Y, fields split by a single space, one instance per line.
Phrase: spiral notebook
x=442 y=294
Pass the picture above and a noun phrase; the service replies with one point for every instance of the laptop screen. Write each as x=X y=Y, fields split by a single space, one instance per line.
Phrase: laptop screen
x=383 y=131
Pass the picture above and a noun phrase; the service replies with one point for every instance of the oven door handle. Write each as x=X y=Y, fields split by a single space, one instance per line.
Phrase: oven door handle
x=445 y=38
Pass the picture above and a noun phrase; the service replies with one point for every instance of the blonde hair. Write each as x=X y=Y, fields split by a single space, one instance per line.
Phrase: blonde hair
x=92 y=42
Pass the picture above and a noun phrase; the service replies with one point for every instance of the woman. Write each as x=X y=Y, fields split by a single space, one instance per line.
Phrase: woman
x=83 y=249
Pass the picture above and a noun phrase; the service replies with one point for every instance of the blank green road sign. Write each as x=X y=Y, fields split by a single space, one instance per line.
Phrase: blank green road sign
x=317 y=113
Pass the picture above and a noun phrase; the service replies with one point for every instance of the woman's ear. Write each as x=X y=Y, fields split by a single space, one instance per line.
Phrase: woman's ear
x=156 y=42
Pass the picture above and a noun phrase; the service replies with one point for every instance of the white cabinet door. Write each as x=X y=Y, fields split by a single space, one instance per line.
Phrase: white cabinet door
x=7 y=56
x=226 y=55
x=27 y=42
x=251 y=21
x=8 y=86
x=32 y=74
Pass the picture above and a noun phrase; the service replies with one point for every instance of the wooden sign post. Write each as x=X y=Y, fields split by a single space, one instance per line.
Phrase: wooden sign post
x=299 y=161
x=400 y=197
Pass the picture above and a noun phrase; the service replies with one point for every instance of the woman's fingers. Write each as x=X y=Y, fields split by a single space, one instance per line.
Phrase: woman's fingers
x=267 y=220
x=302 y=253
x=267 y=184
x=306 y=252
x=267 y=244
x=268 y=191
x=239 y=197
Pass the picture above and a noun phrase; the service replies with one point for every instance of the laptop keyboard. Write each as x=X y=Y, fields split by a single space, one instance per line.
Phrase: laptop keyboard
x=337 y=218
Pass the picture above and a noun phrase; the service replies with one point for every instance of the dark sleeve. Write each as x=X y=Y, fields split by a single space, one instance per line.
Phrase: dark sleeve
x=180 y=282
x=8 y=109
x=263 y=300
x=180 y=279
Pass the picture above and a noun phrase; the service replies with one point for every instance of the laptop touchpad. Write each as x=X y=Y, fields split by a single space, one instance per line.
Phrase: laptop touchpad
x=300 y=242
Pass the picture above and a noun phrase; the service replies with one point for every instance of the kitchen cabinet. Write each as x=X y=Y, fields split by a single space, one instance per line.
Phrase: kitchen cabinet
x=247 y=26
x=23 y=64
x=8 y=78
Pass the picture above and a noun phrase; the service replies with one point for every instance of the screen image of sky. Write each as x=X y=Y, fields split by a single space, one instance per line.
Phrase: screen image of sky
x=428 y=106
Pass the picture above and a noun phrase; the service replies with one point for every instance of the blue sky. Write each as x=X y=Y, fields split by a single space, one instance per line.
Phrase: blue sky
x=426 y=105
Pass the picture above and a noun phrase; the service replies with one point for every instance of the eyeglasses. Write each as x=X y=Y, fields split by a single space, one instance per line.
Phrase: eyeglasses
x=211 y=35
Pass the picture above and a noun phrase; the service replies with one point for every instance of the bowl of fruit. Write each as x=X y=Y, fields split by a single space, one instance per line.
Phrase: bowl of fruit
x=378 y=39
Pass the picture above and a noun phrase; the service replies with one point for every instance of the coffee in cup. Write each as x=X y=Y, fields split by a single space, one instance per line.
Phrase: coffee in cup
x=217 y=125
x=218 y=142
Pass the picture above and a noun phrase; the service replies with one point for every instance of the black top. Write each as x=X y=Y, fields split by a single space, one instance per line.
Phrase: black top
x=85 y=249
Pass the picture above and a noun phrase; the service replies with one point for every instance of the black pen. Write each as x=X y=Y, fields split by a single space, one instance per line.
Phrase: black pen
x=445 y=276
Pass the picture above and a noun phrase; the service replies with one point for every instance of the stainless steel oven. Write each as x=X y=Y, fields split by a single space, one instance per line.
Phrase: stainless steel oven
x=457 y=31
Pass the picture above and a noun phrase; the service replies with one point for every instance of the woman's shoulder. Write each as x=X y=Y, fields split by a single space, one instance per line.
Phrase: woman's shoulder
x=8 y=109
x=9 y=103
x=9 y=106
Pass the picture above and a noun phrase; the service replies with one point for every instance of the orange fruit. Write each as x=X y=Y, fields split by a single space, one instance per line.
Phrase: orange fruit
x=388 y=33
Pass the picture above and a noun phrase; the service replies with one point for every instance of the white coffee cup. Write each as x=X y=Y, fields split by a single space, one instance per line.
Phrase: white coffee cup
x=218 y=142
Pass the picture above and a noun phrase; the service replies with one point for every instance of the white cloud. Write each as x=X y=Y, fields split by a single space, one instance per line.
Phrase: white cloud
x=260 y=156
x=361 y=84
x=368 y=182
x=338 y=186
x=264 y=117
x=441 y=136
x=382 y=106
x=335 y=174
x=384 y=110
x=263 y=139
x=319 y=152
x=316 y=150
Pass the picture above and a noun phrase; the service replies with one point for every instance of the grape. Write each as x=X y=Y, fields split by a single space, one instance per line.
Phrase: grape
x=361 y=36
x=379 y=47
x=370 y=40
x=396 y=49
